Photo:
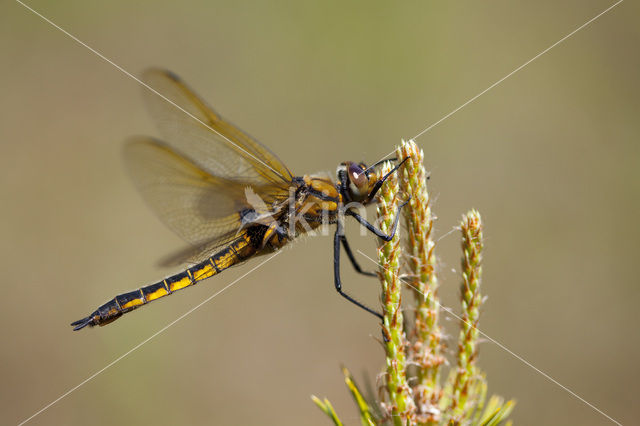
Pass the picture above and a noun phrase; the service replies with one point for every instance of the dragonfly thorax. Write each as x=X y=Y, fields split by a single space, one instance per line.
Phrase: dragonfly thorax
x=316 y=202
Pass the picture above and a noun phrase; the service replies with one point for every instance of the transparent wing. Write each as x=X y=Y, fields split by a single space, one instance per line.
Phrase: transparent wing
x=201 y=208
x=211 y=142
x=197 y=253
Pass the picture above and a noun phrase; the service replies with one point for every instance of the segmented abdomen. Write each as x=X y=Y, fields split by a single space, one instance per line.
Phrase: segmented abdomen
x=237 y=251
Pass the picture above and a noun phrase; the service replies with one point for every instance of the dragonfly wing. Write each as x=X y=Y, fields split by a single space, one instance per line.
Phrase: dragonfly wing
x=210 y=141
x=203 y=209
x=197 y=253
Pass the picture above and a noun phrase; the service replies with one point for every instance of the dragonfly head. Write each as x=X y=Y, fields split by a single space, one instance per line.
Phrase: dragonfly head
x=356 y=181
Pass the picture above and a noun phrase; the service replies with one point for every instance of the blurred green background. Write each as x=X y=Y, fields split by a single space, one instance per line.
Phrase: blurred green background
x=549 y=157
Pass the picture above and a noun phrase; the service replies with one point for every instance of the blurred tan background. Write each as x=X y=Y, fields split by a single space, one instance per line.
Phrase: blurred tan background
x=549 y=157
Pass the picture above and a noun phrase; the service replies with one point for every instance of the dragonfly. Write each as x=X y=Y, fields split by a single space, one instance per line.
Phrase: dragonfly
x=229 y=196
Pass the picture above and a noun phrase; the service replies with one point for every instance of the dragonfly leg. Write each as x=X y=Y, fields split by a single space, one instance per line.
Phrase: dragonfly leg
x=352 y=258
x=375 y=230
x=378 y=184
x=336 y=271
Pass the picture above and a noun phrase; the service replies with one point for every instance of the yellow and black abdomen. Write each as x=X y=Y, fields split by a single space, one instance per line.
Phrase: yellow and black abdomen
x=245 y=246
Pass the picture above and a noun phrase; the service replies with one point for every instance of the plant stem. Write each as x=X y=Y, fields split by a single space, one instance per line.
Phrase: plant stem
x=466 y=375
x=401 y=406
x=425 y=351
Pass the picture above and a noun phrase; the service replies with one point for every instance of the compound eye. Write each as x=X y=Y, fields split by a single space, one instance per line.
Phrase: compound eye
x=357 y=177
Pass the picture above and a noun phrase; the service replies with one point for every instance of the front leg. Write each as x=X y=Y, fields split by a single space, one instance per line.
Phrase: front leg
x=375 y=230
x=378 y=184
x=337 y=237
